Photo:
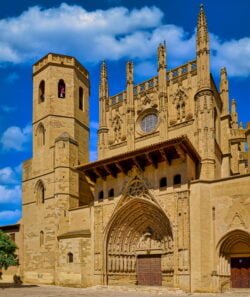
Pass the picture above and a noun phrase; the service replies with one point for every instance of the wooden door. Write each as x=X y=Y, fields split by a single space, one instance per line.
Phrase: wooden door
x=149 y=270
x=240 y=272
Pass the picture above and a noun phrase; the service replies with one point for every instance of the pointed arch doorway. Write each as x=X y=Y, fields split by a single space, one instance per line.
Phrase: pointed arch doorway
x=139 y=244
x=235 y=258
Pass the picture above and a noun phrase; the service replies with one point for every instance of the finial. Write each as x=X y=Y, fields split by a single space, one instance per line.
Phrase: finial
x=202 y=22
x=103 y=69
x=233 y=106
x=162 y=55
x=130 y=72
x=223 y=70
x=103 y=87
x=223 y=74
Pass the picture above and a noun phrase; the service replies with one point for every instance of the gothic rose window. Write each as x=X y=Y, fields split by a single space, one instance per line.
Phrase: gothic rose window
x=136 y=189
x=149 y=122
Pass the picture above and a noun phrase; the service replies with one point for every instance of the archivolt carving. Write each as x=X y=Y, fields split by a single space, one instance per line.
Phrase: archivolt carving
x=236 y=238
x=138 y=227
x=117 y=132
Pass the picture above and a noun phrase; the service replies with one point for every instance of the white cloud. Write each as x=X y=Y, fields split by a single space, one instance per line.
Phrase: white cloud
x=16 y=138
x=10 y=195
x=234 y=54
x=69 y=29
x=10 y=175
x=111 y=34
x=10 y=215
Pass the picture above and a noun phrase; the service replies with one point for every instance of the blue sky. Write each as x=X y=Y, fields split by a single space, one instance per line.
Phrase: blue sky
x=115 y=30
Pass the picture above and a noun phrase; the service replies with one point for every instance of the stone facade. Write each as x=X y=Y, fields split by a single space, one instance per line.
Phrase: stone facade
x=171 y=182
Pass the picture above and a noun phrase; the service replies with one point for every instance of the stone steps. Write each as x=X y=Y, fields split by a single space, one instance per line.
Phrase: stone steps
x=238 y=290
x=149 y=289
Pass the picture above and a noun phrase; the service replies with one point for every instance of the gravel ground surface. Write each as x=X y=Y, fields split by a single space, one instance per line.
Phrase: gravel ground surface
x=99 y=291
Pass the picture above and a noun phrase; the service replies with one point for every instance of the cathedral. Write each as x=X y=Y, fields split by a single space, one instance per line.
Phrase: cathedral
x=167 y=203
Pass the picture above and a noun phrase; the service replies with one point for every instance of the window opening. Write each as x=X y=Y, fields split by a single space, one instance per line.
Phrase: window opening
x=61 y=89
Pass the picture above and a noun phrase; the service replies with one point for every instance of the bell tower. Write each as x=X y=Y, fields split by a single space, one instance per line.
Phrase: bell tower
x=51 y=185
x=60 y=103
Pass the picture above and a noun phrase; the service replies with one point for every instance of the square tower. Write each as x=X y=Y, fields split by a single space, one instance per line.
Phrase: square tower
x=60 y=143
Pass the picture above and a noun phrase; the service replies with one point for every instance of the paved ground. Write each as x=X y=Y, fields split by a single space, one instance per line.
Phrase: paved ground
x=53 y=291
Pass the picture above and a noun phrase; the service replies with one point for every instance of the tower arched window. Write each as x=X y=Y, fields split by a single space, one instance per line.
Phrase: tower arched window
x=178 y=112
x=80 y=98
x=41 y=238
x=40 y=135
x=61 y=89
x=101 y=195
x=111 y=193
x=70 y=257
x=183 y=112
x=177 y=179
x=40 y=192
x=41 y=92
x=163 y=182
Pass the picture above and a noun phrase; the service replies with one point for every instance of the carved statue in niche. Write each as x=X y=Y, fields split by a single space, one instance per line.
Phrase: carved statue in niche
x=180 y=107
x=117 y=129
x=149 y=240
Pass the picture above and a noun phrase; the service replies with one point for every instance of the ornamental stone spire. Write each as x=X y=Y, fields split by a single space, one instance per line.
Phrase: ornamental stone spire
x=103 y=87
x=202 y=51
x=224 y=90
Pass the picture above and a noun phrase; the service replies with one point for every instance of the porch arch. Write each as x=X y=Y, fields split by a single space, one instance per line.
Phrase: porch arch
x=235 y=244
x=139 y=227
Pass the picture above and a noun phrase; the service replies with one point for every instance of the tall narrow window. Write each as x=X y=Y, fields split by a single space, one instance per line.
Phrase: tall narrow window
x=178 y=112
x=183 y=112
x=100 y=195
x=111 y=193
x=81 y=98
x=41 y=93
x=177 y=179
x=40 y=192
x=163 y=182
x=61 y=89
x=40 y=135
x=41 y=238
x=70 y=258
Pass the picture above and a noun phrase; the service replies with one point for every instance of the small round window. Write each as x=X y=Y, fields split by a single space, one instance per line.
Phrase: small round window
x=149 y=122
